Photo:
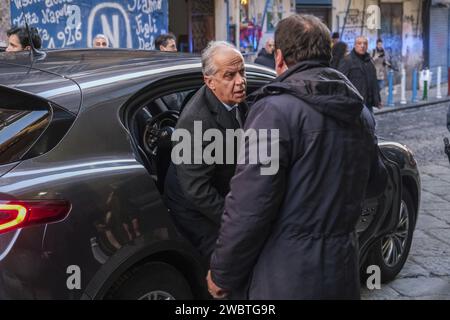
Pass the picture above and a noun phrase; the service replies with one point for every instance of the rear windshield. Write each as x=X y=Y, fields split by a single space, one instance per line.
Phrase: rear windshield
x=19 y=130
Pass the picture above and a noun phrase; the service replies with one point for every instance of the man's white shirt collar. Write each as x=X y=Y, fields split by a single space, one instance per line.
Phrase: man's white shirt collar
x=228 y=107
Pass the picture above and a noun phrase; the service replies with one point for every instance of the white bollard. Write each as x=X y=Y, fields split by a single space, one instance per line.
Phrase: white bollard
x=403 y=87
x=439 y=78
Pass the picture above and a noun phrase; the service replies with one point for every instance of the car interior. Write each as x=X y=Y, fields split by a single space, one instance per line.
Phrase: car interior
x=152 y=124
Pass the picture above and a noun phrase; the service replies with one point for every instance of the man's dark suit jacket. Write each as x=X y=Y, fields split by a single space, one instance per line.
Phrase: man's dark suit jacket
x=195 y=193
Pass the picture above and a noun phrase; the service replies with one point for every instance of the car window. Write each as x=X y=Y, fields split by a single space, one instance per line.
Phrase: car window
x=19 y=129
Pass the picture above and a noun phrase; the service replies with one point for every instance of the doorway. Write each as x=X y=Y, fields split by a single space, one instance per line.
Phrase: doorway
x=179 y=23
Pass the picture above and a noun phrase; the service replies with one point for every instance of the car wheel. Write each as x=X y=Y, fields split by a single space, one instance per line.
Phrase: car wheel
x=152 y=281
x=391 y=252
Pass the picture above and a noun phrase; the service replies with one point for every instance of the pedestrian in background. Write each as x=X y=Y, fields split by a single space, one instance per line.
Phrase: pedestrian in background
x=339 y=51
x=100 y=41
x=359 y=68
x=381 y=61
x=166 y=42
x=335 y=38
x=266 y=55
x=20 y=39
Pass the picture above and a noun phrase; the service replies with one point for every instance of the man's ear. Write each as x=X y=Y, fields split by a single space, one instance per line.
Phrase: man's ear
x=280 y=64
x=209 y=81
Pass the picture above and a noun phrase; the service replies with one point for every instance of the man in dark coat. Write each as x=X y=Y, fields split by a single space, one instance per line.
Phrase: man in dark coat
x=266 y=56
x=195 y=190
x=292 y=235
x=359 y=68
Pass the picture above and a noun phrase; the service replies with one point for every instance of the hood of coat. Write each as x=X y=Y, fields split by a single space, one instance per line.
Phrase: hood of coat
x=321 y=87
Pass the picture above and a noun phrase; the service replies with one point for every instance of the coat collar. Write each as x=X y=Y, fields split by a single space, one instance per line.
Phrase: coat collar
x=223 y=117
x=365 y=57
x=302 y=66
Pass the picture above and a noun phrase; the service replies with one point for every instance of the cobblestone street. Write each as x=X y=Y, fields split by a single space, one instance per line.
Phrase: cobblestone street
x=426 y=274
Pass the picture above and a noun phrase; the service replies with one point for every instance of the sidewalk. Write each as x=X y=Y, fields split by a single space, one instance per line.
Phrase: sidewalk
x=419 y=103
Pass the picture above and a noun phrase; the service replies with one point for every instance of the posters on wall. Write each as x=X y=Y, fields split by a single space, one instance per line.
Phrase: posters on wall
x=74 y=23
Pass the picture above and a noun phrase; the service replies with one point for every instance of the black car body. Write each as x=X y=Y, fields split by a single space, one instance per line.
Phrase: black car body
x=75 y=135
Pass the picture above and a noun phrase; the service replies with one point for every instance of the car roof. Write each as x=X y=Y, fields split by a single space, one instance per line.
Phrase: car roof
x=73 y=63
x=102 y=74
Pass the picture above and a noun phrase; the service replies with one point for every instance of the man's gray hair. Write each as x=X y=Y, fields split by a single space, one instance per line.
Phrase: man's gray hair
x=100 y=35
x=208 y=66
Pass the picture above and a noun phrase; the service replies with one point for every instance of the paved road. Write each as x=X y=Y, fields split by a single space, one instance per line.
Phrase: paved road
x=426 y=274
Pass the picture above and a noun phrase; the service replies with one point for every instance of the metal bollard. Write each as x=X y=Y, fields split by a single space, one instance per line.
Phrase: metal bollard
x=438 y=84
x=403 y=87
x=391 y=88
x=425 y=90
x=414 y=86
x=448 y=83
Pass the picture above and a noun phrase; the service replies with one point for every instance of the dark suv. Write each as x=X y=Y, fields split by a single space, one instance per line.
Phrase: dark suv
x=81 y=179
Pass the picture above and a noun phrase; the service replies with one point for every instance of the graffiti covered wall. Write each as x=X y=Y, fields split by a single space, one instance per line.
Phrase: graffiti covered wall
x=351 y=21
x=400 y=27
x=74 y=23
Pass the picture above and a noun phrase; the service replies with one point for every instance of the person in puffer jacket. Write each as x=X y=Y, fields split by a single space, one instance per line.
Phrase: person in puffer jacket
x=291 y=235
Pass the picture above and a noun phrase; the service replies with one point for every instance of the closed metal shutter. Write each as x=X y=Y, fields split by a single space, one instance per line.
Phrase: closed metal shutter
x=439 y=38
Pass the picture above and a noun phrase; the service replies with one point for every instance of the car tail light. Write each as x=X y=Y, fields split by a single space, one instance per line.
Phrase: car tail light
x=18 y=214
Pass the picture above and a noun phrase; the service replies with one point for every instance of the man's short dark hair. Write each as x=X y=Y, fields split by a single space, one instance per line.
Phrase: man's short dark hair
x=379 y=40
x=303 y=37
x=163 y=39
x=335 y=35
x=24 y=36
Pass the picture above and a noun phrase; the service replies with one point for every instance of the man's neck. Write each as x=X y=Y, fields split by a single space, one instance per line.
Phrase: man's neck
x=360 y=55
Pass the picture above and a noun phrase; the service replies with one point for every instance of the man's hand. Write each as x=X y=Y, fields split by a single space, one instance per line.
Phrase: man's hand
x=214 y=290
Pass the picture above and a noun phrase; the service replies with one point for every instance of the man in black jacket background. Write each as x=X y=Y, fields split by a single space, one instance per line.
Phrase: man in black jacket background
x=292 y=235
x=359 y=68
x=195 y=190
x=266 y=56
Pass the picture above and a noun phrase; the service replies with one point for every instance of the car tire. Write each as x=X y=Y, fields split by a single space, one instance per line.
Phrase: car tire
x=391 y=264
x=152 y=281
